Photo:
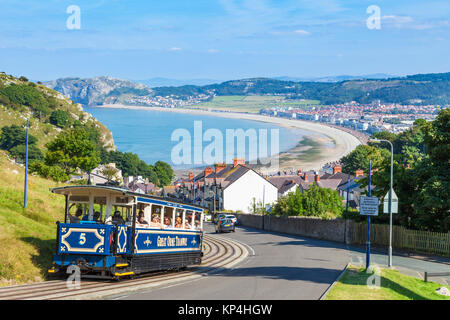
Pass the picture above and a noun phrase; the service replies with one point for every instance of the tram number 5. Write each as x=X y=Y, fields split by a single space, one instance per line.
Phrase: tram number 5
x=82 y=238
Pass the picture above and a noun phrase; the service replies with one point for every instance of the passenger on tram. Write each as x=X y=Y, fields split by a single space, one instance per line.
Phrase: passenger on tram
x=178 y=223
x=167 y=222
x=117 y=218
x=96 y=216
x=77 y=218
x=187 y=225
x=141 y=221
x=156 y=222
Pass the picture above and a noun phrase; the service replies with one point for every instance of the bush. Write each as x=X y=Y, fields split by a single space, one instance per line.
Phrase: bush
x=53 y=172
x=60 y=118
x=314 y=202
x=14 y=135
x=19 y=153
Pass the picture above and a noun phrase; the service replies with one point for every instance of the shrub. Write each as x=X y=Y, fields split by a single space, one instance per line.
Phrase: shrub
x=53 y=172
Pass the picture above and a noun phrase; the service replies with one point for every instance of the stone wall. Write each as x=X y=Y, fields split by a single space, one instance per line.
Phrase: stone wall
x=332 y=230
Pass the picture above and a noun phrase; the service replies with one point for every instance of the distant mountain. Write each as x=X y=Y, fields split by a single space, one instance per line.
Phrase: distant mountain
x=337 y=78
x=420 y=89
x=98 y=90
x=167 y=82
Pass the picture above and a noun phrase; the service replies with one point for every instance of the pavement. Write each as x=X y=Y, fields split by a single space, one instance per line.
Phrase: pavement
x=414 y=267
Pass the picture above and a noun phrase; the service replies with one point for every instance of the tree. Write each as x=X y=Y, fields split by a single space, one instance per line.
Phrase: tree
x=164 y=173
x=72 y=149
x=359 y=158
x=19 y=153
x=15 y=135
x=110 y=172
x=60 y=118
x=421 y=171
x=431 y=202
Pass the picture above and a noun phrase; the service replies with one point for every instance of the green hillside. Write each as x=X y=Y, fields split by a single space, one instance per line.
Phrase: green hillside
x=21 y=99
x=420 y=88
x=27 y=236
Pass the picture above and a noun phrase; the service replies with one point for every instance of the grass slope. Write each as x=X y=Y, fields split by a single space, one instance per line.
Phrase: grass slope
x=27 y=236
x=394 y=286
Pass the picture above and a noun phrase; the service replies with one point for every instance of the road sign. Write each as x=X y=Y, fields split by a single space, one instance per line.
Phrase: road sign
x=394 y=205
x=368 y=206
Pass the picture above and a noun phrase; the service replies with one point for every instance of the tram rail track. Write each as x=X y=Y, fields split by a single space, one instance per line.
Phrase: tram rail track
x=218 y=254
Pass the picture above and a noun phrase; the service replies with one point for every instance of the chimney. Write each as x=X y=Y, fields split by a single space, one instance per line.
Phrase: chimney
x=299 y=172
x=220 y=166
x=316 y=177
x=359 y=173
x=337 y=168
x=305 y=177
x=208 y=171
x=191 y=176
x=237 y=161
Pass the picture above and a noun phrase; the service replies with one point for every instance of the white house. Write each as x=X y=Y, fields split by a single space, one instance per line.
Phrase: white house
x=244 y=185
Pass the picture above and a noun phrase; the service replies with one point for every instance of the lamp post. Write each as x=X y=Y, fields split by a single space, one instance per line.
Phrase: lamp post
x=390 y=197
x=26 y=170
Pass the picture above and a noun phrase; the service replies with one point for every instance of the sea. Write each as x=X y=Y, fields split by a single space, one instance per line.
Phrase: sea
x=165 y=136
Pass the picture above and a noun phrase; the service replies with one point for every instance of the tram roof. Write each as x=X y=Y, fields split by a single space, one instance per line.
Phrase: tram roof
x=143 y=197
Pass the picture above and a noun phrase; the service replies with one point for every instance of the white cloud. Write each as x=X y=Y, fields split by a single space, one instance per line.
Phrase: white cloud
x=175 y=49
x=397 y=21
x=302 y=32
x=213 y=50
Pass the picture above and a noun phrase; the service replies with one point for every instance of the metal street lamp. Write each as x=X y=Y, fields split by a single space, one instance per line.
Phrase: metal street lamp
x=390 y=196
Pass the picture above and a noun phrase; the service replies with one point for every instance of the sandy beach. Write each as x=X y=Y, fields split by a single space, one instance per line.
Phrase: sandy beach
x=322 y=144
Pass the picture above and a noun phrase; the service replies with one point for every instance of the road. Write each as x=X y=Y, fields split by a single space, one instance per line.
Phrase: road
x=278 y=267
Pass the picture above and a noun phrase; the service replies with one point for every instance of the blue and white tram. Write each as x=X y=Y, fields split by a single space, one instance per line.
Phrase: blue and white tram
x=109 y=232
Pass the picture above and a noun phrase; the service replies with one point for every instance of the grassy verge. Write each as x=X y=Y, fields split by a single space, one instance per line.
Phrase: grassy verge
x=393 y=286
x=27 y=236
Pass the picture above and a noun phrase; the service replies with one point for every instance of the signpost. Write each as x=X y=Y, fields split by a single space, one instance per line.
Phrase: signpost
x=394 y=204
x=368 y=206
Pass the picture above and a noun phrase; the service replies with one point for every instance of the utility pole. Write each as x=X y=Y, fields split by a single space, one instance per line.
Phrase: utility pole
x=26 y=170
x=390 y=197
x=262 y=211
x=193 y=190
x=368 y=221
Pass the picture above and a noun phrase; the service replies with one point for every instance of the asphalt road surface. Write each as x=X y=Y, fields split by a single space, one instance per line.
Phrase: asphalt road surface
x=278 y=267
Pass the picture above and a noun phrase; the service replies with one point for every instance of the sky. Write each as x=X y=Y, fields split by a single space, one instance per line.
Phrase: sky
x=222 y=39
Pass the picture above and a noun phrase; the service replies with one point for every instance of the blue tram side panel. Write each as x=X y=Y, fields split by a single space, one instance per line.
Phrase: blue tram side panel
x=154 y=241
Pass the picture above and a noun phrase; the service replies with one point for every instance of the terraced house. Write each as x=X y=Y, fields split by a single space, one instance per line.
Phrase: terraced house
x=228 y=187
